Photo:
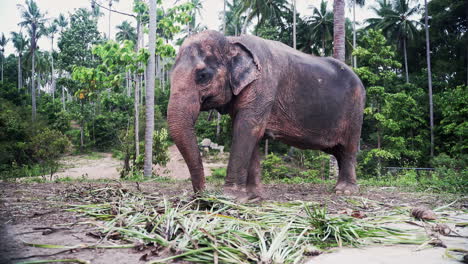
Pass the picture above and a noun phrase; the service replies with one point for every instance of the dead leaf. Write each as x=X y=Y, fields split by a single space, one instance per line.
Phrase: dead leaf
x=442 y=229
x=358 y=214
x=422 y=213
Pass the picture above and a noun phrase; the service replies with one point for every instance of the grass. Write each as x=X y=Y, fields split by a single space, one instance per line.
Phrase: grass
x=214 y=229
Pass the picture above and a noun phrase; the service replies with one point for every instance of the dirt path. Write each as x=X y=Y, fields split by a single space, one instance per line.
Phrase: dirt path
x=177 y=169
x=104 y=166
x=100 y=166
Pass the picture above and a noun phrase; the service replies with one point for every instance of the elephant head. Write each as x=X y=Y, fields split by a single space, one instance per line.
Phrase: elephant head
x=209 y=72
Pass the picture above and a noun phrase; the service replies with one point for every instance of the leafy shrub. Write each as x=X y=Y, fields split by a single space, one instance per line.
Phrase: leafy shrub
x=218 y=173
x=160 y=147
x=47 y=146
x=273 y=167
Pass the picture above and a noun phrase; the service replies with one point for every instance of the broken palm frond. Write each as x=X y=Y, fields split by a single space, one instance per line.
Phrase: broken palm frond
x=460 y=254
x=214 y=229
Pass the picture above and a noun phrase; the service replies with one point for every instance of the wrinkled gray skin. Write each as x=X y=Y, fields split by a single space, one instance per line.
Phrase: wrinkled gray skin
x=269 y=89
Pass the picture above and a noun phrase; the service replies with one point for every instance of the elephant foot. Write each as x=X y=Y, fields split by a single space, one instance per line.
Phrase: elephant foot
x=242 y=194
x=346 y=188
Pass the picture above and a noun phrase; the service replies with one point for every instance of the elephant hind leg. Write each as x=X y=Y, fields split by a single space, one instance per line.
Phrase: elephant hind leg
x=347 y=182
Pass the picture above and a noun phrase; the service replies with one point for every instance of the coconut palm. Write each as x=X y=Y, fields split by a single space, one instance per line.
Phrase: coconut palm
x=3 y=42
x=62 y=22
x=262 y=9
x=50 y=31
x=339 y=30
x=126 y=32
x=110 y=11
x=20 y=43
x=429 y=77
x=234 y=22
x=395 y=22
x=360 y=3
x=33 y=20
x=151 y=71
x=321 y=25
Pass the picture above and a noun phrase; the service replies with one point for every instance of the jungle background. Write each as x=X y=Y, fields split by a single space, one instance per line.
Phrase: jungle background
x=89 y=94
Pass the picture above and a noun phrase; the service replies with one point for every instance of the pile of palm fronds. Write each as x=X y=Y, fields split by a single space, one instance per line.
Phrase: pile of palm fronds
x=213 y=229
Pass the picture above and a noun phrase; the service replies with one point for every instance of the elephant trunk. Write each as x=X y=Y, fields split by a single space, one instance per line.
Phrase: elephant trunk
x=181 y=118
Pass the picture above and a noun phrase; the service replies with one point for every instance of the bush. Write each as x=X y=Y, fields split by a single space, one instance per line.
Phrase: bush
x=273 y=168
x=47 y=146
x=160 y=147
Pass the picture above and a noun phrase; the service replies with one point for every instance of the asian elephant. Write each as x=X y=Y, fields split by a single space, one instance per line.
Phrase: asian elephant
x=268 y=89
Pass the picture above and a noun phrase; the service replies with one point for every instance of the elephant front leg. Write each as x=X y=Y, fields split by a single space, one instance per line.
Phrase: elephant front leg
x=246 y=135
x=254 y=185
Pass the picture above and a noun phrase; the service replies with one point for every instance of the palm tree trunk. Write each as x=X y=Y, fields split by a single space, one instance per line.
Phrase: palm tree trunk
x=338 y=53
x=354 y=33
x=294 y=24
x=63 y=98
x=52 y=71
x=110 y=6
x=19 y=72
x=429 y=78
x=224 y=17
x=136 y=99
x=339 y=30
x=2 y=68
x=148 y=167
x=323 y=45
x=136 y=116
x=33 y=86
x=246 y=22
x=406 y=60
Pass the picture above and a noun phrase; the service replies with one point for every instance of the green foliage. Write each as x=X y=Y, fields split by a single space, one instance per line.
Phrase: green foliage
x=47 y=146
x=205 y=127
x=273 y=168
x=76 y=41
x=453 y=124
x=160 y=147
x=392 y=116
x=218 y=173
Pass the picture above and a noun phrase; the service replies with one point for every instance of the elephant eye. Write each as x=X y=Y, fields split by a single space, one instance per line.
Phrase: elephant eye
x=203 y=76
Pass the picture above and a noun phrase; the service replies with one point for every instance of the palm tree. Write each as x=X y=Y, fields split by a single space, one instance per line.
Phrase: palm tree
x=3 y=42
x=339 y=30
x=396 y=23
x=234 y=22
x=33 y=19
x=361 y=3
x=294 y=24
x=429 y=77
x=262 y=9
x=321 y=25
x=62 y=22
x=19 y=42
x=110 y=11
x=50 y=31
x=96 y=11
x=151 y=71
x=126 y=32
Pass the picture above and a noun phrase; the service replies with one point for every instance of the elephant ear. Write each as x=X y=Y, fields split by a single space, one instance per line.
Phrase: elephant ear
x=243 y=66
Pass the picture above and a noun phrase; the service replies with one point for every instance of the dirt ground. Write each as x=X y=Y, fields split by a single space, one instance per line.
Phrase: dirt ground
x=36 y=213
x=107 y=167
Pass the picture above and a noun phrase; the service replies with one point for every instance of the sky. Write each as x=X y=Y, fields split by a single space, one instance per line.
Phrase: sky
x=10 y=14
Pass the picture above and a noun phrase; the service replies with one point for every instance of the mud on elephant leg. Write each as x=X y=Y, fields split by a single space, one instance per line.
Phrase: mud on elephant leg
x=347 y=173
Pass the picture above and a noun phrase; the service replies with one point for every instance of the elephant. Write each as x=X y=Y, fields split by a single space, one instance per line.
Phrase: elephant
x=270 y=90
